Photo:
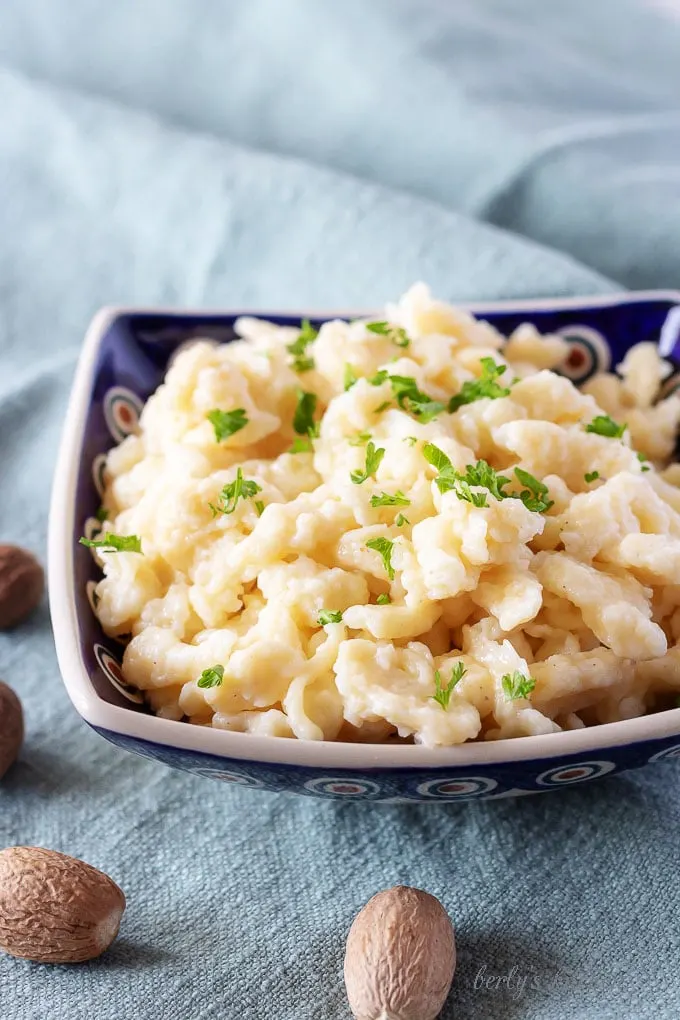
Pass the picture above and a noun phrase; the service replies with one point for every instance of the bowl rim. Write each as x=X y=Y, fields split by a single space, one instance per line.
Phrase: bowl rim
x=266 y=749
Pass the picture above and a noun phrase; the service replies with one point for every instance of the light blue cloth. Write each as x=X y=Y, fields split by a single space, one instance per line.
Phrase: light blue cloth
x=558 y=120
x=239 y=901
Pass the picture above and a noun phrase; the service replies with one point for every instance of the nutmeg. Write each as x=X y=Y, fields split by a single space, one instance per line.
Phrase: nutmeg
x=55 y=908
x=11 y=727
x=22 y=582
x=400 y=958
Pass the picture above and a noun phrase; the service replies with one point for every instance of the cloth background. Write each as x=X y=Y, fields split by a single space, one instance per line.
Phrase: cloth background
x=289 y=153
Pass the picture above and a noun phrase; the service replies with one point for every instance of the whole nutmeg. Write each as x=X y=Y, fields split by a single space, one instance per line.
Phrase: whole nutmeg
x=11 y=727
x=400 y=957
x=22 y=582
x=55 y=908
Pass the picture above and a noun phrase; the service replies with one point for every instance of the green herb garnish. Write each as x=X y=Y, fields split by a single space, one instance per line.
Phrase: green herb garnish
x=535 y=493
x=449 y=479
x=383 y=546
x=485 y=386
x=516 y=685
x=643 y=458
x=360 y=439
x=226 y=423
x=382 y=407
x=413 y=400
x=374 y=456
x=259 y=506
x=307 y=336
x=329 y=616
x=408 y=396
x=349 y=378
x=302 y=445
x=102 y=514
x=302 y=362
x=437 y=458
x=385 y=499
x=383 y=600
x=483 y=476
x=442 y=694
x=411 y=440
x=591 y=476
x=211 y=677
x=240 y=488
x=396 y=334
x=603 y=425
x=114 y=543
x=303 y=419
x=400 y=520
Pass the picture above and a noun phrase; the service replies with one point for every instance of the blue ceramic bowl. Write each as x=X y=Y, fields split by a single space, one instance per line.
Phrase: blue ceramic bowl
x=123 y=360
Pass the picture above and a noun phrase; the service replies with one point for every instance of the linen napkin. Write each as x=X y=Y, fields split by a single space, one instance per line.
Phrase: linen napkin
x=557 y=120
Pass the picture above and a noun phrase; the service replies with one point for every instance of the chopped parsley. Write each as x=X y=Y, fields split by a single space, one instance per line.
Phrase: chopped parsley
x=534 y=494
x=382 y=407
x=383 y=546
x=259 y=506
x=374 y=456
x=306 y=337
x=437 y=458
x=591 y=476
x=383 y=600
x=485 y=386
x=102 y=514
x=442 y=694
x=396 y=334
x=114 y=543
x=360 y=439
x=303 y=419
x=301 y=445
x=400 y=520
x=211 y=677
x=516 y=685
x=385 y=499
x=408 y=396
x=226 y=423
x=411 y=440
x=482 y=475
x=448 y=479
x=349 y=378
x=302 y=362
x=643 y=458
x=603 y=425
x=413 y=400
x=329 y=616
x=240 y=488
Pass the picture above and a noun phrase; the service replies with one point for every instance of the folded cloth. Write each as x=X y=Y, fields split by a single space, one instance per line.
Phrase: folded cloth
x=559 y=121
x=239 y=901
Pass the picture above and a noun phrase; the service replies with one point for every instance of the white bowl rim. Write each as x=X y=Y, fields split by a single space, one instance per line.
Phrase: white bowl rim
x=276 y=750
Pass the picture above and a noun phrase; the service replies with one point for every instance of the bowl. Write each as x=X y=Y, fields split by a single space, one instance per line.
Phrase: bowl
x=123 y=360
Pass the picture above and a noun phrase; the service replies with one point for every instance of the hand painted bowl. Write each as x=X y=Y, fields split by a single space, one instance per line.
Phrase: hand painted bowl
x=123 y=360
